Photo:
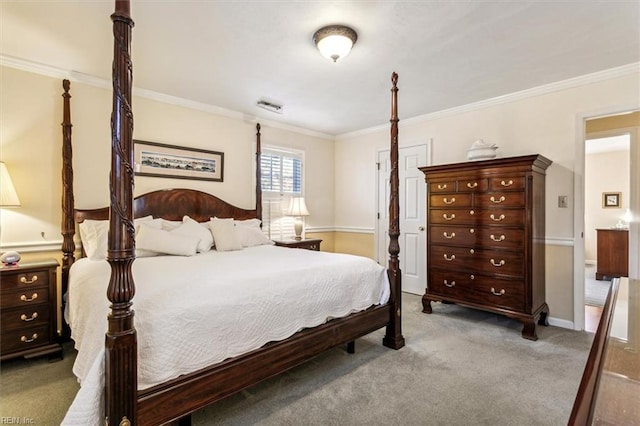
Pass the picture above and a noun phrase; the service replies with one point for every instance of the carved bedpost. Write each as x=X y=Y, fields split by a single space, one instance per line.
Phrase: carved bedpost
x=68 y=228
x=258 y=174
x=121 y=370
x=393 y=337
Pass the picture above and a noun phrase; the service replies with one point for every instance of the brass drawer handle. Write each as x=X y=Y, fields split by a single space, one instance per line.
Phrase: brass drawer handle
x=453 y=234
x=442 y=186
x=496 y=293
x=24 y=280
x=447 y=284
x=449 y=259
x=503 y=183
x=24 y=317
x=449 y=217
x=24 y=298
x=498 y=239
x=26 y=340
x=472 y=185
x=498 y=201
x=447 y=201
x=499 y=264
x=499 y=219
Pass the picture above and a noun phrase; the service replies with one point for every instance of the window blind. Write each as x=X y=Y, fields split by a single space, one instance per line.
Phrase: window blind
x=281 y=179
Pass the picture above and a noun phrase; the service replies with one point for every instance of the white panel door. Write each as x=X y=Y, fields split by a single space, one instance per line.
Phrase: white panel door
x=412 y=193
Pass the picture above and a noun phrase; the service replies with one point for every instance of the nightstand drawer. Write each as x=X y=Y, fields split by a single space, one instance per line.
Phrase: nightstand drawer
x=25 y=280
x=26 y=316
x=25 y=338
x=25 y=297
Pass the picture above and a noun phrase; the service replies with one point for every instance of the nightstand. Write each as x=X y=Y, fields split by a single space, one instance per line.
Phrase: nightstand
x=28 y=309
x=308 y=244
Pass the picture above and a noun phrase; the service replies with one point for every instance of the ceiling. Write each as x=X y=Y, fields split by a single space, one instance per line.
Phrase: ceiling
x=230 y=54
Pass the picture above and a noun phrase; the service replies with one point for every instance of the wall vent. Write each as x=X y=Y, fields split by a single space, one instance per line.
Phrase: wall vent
x=270 y=106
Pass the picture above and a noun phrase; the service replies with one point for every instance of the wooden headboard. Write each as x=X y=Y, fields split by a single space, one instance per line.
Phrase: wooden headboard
x=173 y=204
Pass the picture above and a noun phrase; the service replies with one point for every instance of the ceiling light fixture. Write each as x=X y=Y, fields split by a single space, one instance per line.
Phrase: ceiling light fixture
x=335 y=41
x=269 y=106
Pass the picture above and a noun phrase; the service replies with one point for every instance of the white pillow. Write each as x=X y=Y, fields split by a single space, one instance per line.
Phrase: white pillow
x=250 y=236
x=170 y=225
x=155 y=223
x=252 y=223
x=192 y=228
x=94 y=235
x=224 y=234
x=158 y=240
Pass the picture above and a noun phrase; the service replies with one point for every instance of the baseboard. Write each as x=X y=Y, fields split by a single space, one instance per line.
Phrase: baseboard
x=562 y=323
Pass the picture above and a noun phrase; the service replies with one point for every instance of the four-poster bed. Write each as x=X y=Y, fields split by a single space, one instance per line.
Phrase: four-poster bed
x=178 y=397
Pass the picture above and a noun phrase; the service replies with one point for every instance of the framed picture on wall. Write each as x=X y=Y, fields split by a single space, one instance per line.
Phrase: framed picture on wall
x=611 y=200
x=162 y=160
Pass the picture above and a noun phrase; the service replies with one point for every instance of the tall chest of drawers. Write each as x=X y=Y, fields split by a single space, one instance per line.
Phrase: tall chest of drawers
x=485 y=244
x=28 y=308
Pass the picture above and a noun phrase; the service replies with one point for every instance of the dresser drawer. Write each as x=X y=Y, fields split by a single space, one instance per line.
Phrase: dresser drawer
x=26 y=316
x=449 y=284
x=498 y=292
x=476 y=217
x=450 y=200
x=25 y=297
x=473 y=185
x=473 y=236
x=499 y=262
x=516 y=183
x=499 y=199
x=25 y=338
x=449 y=186
x=25 y=280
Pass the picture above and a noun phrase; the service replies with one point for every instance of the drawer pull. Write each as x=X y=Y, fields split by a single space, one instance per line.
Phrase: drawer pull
x=498 y=239
x=509 y=183
x=472 y=185
x=499 y=264
x=453 y=234
x=498 y=201
x=451 y=284
x=472 y=231
x=447 y=201
x=442 y=186
x=497 y=219
x=26 y=340
x=33 y=297
x=449 y=217
x=24 y=280
x=24 y=317
x=497 y=293
x=449 y=258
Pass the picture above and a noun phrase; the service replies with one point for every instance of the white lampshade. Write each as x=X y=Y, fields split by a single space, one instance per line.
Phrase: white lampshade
x=8 y=195
x=297 y=207
x=335 y=41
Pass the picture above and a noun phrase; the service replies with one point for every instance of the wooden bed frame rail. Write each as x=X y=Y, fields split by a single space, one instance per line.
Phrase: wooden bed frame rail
x=177 y=398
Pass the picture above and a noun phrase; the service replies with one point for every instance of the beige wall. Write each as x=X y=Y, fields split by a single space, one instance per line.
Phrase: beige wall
x=544 y=124
x=31 y=146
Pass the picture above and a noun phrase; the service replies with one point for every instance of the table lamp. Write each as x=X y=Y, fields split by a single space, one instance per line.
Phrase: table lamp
x=8 y=198
x=298 y=208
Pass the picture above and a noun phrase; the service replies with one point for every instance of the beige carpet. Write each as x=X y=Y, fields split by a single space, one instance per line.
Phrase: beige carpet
x=460 y=367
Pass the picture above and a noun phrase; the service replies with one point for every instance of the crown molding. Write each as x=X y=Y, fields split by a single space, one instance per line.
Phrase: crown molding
x=557 y=86
x=90 y=80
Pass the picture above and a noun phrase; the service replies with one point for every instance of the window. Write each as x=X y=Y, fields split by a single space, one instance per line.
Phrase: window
x=281 y=179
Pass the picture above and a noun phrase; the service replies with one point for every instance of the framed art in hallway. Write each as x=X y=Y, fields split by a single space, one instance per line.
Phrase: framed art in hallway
x=611 y=200
x=170 y=161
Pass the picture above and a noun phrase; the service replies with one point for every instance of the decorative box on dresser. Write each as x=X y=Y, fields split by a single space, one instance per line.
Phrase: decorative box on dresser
x=28 y=306
x=485 y=244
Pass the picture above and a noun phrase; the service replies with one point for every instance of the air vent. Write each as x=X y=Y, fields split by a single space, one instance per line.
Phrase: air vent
x=270 y=106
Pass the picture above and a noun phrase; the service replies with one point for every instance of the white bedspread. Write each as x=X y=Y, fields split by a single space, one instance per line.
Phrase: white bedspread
x=192 y=312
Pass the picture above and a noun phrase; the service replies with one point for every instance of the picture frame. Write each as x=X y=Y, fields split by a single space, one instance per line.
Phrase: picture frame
x=611 y=200
x=178 y=162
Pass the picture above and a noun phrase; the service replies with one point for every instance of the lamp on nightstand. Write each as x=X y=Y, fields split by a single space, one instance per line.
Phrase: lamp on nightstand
x=298 y=208
x=8 y=198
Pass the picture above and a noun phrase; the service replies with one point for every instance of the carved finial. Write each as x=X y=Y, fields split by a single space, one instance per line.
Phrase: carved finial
x=66 y=85
x=258 y=127
x=394 y=79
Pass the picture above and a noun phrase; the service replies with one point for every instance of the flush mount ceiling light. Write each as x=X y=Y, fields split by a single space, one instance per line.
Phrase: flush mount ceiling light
x=335 y=41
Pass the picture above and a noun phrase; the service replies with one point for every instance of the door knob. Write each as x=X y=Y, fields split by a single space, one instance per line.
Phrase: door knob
x=421 y=228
